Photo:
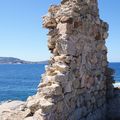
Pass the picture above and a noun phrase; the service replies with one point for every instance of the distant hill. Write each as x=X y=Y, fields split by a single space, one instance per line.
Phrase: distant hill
x=12 y=60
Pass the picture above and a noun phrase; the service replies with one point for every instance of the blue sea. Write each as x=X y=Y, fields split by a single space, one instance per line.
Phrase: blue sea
x=116 y=67
x=19 y=81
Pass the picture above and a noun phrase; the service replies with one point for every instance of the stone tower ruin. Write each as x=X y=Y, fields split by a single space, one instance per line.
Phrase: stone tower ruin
x=75 y=85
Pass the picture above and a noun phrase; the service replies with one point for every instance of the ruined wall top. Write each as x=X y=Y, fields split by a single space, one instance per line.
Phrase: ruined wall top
x=72 y=8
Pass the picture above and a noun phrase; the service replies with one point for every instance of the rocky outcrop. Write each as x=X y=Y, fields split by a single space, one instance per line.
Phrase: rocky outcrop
x=12 y=110
x=113 y=107
x=77 y=81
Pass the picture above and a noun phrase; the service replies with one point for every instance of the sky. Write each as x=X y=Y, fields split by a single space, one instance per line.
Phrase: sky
x=22 y=35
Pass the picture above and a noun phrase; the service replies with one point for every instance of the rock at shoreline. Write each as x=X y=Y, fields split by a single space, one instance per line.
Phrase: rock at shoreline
x=12 y=109
x=12 y=105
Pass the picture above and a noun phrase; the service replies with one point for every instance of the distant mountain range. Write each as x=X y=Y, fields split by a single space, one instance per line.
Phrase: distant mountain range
x=12 y=60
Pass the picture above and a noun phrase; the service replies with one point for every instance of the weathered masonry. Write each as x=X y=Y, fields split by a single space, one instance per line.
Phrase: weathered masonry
x=77 y=82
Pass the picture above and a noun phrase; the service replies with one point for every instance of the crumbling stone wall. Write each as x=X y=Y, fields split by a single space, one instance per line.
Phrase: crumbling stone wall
x=74 y=86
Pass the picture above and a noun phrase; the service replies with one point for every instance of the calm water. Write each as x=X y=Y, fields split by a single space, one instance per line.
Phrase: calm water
x=116 y=67
x=21 y=81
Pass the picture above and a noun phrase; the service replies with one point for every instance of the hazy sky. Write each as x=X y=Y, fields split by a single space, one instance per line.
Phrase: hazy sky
x=22 y=35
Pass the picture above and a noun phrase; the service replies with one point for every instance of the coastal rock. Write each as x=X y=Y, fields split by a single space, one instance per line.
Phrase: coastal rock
x=12 y=111
x=29 y=118
x=12 y=105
